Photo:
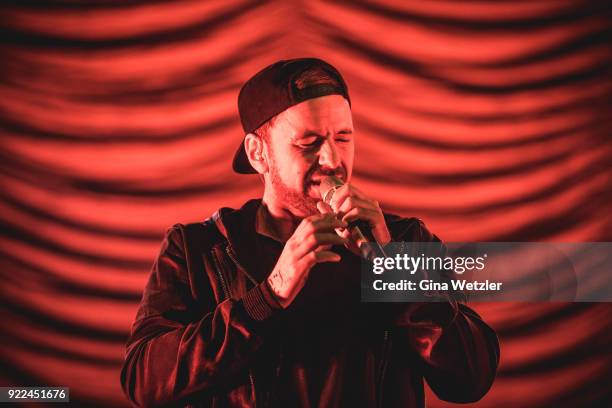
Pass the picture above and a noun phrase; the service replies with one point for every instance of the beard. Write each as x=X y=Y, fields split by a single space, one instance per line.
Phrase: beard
x=300 y=202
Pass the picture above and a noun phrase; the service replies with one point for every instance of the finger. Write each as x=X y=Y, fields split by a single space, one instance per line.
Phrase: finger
x=327 y=238
x=313 y=258
x=343 y=232
x=361 y=214
x=318 y=222
x=376 y=221
x=323 y=248
x=358 y=192
x=341 y=194
x=327 y=256
x=329 y=223
x=302 y=246
x=353 y=202
x=314 y=218
x=324 y=208
x=350 y=244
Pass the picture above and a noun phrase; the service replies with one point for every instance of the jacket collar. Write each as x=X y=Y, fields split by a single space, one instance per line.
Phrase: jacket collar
x=238 y=227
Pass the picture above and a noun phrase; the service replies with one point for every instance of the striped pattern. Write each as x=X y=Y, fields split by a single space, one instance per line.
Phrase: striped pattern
x=489 y=120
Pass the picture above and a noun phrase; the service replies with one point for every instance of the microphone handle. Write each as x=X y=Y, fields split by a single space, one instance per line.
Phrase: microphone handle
x=362 y=234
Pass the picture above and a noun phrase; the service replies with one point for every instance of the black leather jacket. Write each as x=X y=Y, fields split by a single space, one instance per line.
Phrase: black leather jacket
x=209 y=333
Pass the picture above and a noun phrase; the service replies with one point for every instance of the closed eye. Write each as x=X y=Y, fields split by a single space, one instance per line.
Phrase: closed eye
x=310 y=141
x=344 y=136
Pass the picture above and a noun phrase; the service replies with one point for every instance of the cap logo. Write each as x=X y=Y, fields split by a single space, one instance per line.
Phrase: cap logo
x=315 y=77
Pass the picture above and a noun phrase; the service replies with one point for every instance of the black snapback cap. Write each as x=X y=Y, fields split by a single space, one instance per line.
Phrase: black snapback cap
x=278 y=87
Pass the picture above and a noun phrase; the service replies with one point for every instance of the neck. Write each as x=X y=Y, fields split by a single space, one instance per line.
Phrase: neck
x=279 y=220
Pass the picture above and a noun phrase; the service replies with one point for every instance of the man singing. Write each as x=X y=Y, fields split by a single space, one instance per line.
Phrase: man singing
x=260 y=306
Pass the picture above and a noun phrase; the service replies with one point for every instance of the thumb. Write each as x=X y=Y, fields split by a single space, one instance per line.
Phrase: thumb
x=324 y=208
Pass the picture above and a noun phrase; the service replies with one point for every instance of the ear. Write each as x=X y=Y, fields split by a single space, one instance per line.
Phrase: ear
x=254 y=147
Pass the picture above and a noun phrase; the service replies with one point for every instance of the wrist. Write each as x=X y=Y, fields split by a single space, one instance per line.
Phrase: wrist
x=273 y=287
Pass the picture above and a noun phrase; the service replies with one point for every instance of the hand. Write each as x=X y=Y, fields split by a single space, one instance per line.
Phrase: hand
x=308 y=246
x=350 y=204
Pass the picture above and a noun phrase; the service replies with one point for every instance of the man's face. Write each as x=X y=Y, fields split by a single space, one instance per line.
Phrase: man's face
x=307 y=142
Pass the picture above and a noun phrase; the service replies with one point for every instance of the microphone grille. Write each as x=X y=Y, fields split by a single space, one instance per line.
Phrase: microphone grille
x=329 y=185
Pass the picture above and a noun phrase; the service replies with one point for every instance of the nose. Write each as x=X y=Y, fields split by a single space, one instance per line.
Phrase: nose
x=328 y=155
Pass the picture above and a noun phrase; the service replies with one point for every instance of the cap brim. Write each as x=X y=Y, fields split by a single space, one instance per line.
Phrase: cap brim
x=241 y=162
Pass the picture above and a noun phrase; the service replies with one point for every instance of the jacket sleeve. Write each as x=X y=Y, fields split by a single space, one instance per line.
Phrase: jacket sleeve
x=459 y=351
x=180 y=346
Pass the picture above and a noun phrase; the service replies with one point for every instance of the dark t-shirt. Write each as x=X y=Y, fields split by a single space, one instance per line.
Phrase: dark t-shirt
x=329 y=339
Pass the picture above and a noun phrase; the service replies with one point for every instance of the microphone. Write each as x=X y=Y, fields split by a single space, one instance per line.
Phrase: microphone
x=360 y=231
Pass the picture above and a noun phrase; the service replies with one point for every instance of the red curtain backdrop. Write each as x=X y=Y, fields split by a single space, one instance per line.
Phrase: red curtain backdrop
x=489 y=120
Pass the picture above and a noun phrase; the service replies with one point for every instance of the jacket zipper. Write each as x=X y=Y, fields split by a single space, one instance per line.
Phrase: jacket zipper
x=383 y=367
x=225 y=290
x=231 y=255
x=221 y=277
